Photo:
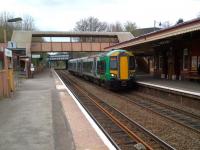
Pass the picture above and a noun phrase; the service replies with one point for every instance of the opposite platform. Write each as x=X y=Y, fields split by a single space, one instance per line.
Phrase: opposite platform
x=184 y=93
x=182 y=86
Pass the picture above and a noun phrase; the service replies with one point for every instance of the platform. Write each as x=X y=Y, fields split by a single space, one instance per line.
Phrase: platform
x=183 y=86
x=41 y=115
x=182 y=92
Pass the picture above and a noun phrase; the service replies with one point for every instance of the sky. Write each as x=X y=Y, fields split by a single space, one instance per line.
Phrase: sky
x=62 y=15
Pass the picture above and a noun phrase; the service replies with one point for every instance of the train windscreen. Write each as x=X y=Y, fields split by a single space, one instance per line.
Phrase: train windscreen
x=113 y=63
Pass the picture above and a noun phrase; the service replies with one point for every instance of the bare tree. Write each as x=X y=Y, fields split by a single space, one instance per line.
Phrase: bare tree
x=28 y=23
x=117 y=27
x=130 y=27
x=90 y=24
x=5 y=26
x=4 y=16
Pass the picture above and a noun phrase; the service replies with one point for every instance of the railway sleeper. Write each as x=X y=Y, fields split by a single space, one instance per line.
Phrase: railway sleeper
x=123 y=139
x=115 y=130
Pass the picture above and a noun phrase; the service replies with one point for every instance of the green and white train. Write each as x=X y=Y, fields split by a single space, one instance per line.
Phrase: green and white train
x=114 y=69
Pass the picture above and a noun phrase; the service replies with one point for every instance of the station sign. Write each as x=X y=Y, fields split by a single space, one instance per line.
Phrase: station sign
x=8 y=52
x=35 y=55
x=58 y=57
x=12 y=44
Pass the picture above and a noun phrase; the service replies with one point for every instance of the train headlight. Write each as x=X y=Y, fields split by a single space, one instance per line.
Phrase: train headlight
x=113 y=75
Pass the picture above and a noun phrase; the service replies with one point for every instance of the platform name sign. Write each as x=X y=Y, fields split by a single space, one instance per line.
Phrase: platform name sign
x=58 y=57
x=8 y=52
x=12 y=44
x=35 y=55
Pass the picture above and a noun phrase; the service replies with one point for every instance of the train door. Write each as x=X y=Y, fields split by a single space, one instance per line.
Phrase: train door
x=94 y=67
x=123 y=67
x=98 y=67
x=81 y=67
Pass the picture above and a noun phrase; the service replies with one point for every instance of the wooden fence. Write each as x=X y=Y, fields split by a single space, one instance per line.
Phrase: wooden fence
x=4 y=84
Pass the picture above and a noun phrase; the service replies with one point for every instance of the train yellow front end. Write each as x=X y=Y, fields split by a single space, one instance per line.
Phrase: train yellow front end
x=122 y=69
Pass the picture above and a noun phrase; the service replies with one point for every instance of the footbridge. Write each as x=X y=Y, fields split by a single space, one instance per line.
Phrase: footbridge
x=52 y=41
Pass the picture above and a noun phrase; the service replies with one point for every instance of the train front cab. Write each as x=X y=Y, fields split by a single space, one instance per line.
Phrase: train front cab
x=122 y=68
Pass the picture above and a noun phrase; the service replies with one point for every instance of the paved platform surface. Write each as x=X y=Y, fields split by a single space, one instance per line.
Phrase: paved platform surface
x=32 y=119
x=183 y=85
x=42 y=116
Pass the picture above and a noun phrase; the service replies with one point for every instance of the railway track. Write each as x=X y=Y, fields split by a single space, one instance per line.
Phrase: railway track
x=184 y=118
x=123 y=132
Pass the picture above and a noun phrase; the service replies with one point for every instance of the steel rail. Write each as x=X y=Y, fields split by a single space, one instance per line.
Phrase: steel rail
x=172 y=108
x=124 y=128
x=115 y=120
x=164 y=144
x=159 y=113
x=91 y=115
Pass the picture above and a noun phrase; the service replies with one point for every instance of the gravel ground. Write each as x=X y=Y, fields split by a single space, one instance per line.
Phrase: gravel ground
x=173 y=133
x=170 y=103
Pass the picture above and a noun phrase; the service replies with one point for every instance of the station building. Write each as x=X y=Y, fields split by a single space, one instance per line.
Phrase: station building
x=170 y=53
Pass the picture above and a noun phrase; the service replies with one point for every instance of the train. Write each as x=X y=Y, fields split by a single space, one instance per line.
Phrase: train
x=114 y=69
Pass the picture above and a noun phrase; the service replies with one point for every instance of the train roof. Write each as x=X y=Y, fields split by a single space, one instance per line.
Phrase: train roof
x=115 y=51
x=109 y=53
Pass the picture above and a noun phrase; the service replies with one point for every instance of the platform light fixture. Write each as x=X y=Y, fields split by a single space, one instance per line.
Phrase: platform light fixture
x=14 y=19
x=5 y=41
x=10 y=20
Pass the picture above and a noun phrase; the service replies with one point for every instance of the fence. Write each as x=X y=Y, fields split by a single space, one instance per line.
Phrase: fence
x=4 y=86
x=6 y=82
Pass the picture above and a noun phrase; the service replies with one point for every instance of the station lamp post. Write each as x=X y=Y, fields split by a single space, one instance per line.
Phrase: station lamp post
x=5 y=30
x=9 y=78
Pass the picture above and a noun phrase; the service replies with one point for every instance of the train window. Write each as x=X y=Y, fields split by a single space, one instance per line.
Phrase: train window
x=79 y=65
x=113 y=63
x=101 y=67
x=131 y=62
x=98 y=67
x=87 y=67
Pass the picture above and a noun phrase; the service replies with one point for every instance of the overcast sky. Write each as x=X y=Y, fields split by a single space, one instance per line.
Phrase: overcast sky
x=61 y=15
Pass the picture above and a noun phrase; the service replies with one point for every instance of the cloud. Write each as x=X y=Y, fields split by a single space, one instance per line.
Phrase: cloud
x=44 y=3
x=63 y=14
